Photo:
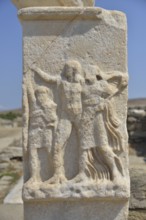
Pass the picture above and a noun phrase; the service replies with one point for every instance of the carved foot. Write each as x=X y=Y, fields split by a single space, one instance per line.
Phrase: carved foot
x=118 y=181
x=57 y=179
x=32 y=182
x=81 y=177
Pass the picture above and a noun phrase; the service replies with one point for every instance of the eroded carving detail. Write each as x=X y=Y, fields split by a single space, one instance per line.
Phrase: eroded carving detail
x=70 y=112
x=87 y=98
x=41 y=124
x=98 y=159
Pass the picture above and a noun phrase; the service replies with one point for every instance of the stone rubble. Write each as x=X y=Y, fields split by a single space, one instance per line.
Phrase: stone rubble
x=15 y=195
x=11 y=156
x=5 y=182
x=10 y=159
x=136 y=124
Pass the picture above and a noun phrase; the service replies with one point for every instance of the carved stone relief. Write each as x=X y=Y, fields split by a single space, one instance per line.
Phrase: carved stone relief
x=74 y=101
x=87 y=96
x=41 y=123
x=74 y=111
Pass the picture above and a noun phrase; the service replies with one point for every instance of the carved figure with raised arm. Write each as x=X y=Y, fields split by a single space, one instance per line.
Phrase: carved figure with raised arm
x=70 y=88
x=98 y=158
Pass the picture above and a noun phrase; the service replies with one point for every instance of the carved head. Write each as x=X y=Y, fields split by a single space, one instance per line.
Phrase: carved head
x=92 y=74
x=72 y=71
x=124 y=81
x=42 y=94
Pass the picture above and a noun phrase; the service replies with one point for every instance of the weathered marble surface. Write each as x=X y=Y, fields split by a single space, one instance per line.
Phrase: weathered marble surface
x=75 y=107
x=46 y=3
x=107 y=210
x=75 y=97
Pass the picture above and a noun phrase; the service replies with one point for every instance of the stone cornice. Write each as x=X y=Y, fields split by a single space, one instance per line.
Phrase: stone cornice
x=52 y=3
x=59 y=13
x=70 y=13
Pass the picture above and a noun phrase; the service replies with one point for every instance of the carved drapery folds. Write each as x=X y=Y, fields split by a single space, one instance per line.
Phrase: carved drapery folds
x=75 y=142
x=84 y=102
x=74 y=101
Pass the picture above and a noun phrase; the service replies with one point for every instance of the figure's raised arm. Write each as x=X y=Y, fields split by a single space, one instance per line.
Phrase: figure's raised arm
x=117 y=81
x=44 y=75
x=118 y=78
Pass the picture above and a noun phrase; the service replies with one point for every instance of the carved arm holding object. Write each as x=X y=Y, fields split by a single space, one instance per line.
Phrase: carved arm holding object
x=45 y=76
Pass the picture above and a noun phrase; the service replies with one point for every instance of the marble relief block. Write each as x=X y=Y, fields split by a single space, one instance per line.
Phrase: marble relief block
x=74 y=108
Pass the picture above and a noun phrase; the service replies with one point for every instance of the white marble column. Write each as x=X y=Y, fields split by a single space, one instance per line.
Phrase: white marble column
x=74 y=111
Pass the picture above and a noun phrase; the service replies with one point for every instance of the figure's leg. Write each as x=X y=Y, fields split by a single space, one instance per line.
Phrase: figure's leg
x=48 y=138
x=112 y=161
x=62 y=135
x=85 y=138
x=34 y=164
x=84 y=172
x=108 y=155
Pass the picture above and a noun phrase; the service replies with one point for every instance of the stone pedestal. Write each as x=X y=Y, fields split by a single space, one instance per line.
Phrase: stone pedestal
x=74 y=111
x=95 y=210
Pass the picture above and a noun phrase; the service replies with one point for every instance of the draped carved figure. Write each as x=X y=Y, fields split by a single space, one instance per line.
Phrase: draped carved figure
x=75 y=140
x=100 y=138
x=40 y=122
x=86 y=96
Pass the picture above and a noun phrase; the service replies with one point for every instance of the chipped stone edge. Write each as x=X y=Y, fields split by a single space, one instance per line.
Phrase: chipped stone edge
x=30 y=198
x=115 y=18
x=38 y=193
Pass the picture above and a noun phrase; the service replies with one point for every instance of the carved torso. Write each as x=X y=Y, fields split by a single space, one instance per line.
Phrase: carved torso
x=71 y=95
x=93 y=94
x=43 y=116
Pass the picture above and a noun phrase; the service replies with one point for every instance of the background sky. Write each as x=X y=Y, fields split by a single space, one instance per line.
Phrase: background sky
x=11 y=49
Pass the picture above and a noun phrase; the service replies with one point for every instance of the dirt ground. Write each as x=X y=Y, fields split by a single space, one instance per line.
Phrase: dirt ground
x=8 y=135
x=10 y=155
